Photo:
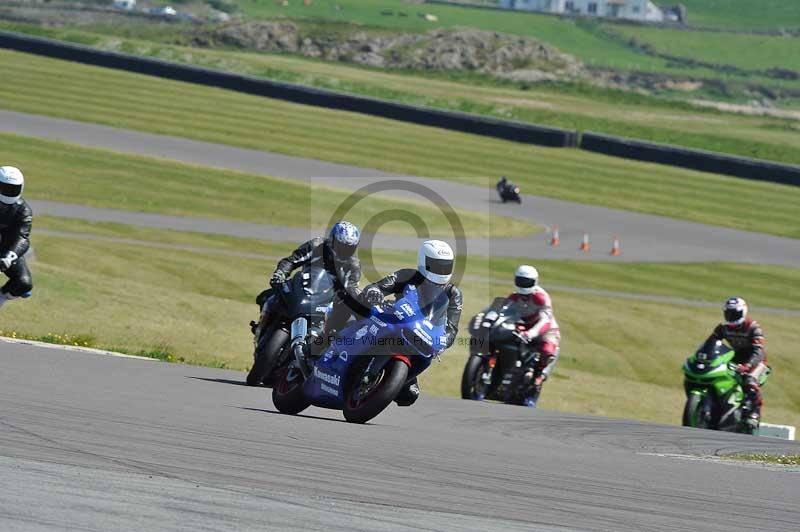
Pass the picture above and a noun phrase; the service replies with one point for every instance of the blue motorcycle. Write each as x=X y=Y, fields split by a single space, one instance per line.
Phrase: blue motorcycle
x=364 y=369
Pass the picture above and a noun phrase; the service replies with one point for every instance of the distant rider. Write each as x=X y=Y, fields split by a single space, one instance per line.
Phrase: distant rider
x=16 y=218
x=746 y=338
x=435 y=262
x=541 y=332
x=502 y=184
x=337 y=254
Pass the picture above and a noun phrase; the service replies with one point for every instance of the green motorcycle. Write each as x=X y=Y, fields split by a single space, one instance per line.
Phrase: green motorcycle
x=714 y=396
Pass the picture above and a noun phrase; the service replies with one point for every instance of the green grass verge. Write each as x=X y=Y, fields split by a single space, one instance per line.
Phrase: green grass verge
x=112 y=180
x=764 y=458
x=149 y=104
x=620 y=358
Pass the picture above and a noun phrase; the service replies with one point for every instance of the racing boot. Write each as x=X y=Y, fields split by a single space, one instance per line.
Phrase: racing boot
x=751 y=422
x=536 y=390
x=408 y=394
x=751 y=409
x=8 y=297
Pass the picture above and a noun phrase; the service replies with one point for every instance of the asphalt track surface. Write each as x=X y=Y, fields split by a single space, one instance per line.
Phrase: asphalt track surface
x=94 y=442
x=644 y=237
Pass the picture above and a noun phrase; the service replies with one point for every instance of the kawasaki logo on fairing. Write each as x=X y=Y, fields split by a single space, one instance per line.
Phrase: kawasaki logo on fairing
x=376 y=320
x=330 y=379
x=424 y=336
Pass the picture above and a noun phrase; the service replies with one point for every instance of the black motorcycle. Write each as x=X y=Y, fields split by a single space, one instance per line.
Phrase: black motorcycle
x=508 y=191
x=500 y=365
x=309 y=294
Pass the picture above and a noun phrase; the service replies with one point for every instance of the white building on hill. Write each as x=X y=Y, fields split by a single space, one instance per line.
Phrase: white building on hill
x=644 y=10
x=125 y=4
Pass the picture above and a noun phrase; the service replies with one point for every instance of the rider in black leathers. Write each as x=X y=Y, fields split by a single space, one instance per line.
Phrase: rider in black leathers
x=16 y=219
x=337 y=254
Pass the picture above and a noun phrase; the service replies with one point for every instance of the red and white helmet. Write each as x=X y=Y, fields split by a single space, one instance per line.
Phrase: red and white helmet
x=734 y=311
x=525 y=279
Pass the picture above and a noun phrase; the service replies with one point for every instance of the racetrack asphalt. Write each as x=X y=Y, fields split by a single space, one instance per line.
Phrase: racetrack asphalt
x=95 y=443
x=646 y=238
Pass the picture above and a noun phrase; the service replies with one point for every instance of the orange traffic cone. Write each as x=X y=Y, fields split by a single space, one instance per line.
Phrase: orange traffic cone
x=554 y=239
x=615 y=247
x=585 y=243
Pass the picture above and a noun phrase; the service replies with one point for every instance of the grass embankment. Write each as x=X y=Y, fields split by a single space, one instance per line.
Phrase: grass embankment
x=570 y=106
x=743 y=14
x=564 y=33
x=751 y=52
x=149 y=104
x=99 y=178
x=577 y=36
x=619 y=358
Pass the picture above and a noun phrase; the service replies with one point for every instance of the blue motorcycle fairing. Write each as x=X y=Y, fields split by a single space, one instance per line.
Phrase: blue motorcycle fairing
x=401 y=329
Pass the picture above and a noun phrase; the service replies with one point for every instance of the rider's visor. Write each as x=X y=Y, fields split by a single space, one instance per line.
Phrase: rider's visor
x=439 y=266
x=9 y=190
x=524 y=282
x=732 y=315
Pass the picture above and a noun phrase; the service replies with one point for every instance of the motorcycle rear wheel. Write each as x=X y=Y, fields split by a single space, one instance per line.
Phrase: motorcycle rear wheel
x=361 y=408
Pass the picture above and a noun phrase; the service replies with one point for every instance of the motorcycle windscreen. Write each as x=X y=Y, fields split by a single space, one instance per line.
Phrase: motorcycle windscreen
x=433 y=302
x=312 y=292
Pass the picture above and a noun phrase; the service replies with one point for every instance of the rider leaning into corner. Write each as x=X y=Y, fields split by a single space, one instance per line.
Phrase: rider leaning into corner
x=16 y=218
x=746 y=338
x=337 y=254
x=541 y=329
x=431 y=278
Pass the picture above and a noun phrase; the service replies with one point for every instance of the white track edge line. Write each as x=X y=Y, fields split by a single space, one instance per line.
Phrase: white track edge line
x=72 y=348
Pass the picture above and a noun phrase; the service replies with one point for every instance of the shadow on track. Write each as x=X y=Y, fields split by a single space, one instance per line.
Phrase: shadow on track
x=223 y=381
x=278 y=413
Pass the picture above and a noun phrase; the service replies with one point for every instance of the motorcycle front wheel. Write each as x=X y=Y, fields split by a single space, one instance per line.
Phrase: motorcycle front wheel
x=693 y=412
x=266 y=354
x=287 y=393
x=472 y=385
x=364 y=401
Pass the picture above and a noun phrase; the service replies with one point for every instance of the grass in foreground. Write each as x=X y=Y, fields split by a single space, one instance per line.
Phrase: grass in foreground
x=142 y=103
x=112 y=180
x=620 y=358
x=781 y=459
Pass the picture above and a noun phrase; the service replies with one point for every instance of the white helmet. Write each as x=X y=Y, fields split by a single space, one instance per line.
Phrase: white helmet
x=11 y=183
x=734 y=311
x=525 y=279
x=435 y=261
